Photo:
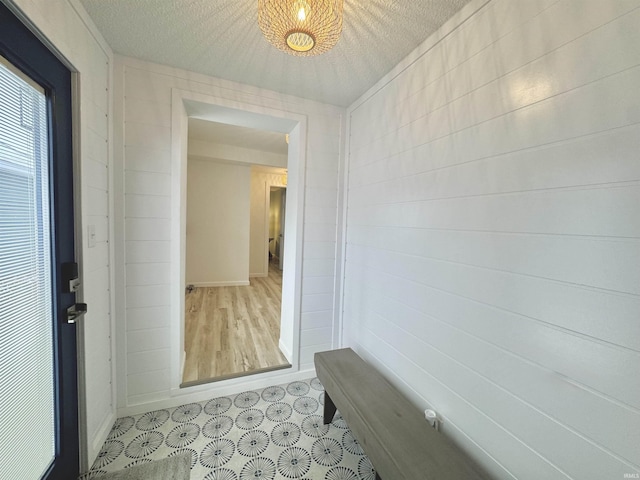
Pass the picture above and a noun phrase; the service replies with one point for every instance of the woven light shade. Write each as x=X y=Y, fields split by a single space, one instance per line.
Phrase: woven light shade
x=301 y=27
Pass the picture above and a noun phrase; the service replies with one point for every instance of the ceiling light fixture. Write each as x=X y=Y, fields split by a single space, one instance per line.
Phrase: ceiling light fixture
x=301 y=27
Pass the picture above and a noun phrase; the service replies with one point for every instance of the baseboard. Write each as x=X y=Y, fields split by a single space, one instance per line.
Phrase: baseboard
x=258 y=275
x=201 y=393
x=285 y=351
x=233 y=283
x=96 y=443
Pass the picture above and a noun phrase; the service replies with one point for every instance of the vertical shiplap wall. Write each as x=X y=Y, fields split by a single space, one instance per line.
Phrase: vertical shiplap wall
x=493 y=234
x=145 y=101
x=67 y=26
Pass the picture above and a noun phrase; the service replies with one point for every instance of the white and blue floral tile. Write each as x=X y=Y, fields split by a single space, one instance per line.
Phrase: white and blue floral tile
x=271 y=434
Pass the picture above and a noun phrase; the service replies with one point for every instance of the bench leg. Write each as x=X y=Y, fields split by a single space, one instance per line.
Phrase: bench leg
x=329 y=408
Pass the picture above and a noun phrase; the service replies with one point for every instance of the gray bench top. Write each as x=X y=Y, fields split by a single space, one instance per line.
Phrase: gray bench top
x=392 y=431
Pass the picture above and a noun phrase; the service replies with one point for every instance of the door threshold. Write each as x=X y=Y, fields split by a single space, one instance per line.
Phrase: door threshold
x=202 y=381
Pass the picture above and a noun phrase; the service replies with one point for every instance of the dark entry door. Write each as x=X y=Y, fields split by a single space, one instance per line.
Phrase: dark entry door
x=38 y=365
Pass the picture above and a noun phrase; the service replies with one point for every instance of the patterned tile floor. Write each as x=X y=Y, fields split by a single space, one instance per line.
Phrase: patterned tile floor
x=272 y=434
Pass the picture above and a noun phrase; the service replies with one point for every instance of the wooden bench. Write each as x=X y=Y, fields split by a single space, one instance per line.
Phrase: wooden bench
x=392 y=432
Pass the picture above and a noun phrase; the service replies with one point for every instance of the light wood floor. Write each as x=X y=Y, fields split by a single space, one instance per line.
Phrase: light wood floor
x=233 y=331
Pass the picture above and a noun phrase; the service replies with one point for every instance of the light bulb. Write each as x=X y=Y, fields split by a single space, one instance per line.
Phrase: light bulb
x=302 y=8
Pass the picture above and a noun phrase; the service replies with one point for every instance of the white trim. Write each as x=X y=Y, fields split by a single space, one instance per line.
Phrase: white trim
x=111 y=146
x=292 y=276
x=87 y=21
x=265 y=240
x=337 y=336
x=285 y=351
x=117 y=238
x=294 y=217
x=232 y=283
x=179 y=129
x=201 y=393
x=100 y=437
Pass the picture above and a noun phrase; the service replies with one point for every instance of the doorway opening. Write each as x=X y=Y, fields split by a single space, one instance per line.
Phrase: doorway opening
x=240 y=317
x=276 y=210
x=234 y=294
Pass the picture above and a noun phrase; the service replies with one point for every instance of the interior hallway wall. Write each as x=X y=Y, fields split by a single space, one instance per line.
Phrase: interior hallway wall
x=493 y=234
x=218 y=223
x=143 y=108
x=67 y=26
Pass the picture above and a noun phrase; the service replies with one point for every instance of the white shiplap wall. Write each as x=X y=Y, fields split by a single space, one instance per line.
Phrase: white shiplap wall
x=67 y=26
x=493 y=234
x=143 y=99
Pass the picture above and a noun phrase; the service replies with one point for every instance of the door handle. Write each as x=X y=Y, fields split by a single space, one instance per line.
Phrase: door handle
x=75 y=312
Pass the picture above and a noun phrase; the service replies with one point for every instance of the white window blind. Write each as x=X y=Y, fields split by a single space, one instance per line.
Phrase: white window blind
x=27 y=420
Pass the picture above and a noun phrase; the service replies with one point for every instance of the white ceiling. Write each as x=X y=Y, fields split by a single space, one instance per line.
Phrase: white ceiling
x=244 y=137
x=221 y=38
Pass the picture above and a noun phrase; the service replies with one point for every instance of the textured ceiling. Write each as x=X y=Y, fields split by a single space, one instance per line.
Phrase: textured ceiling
x=222 y=38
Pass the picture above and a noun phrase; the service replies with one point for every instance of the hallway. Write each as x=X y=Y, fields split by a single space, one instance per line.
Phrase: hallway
x=233 y=331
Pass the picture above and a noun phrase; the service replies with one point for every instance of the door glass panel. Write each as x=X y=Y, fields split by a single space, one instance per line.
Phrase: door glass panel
x=27 y=421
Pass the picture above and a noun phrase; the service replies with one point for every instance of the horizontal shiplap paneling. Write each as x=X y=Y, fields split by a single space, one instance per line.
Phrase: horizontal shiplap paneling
x=148 y=182
x=493 y=239
x=149 y=360
x=149 y=317
x=524 y=371
x=579 y=260
x=141 y=159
